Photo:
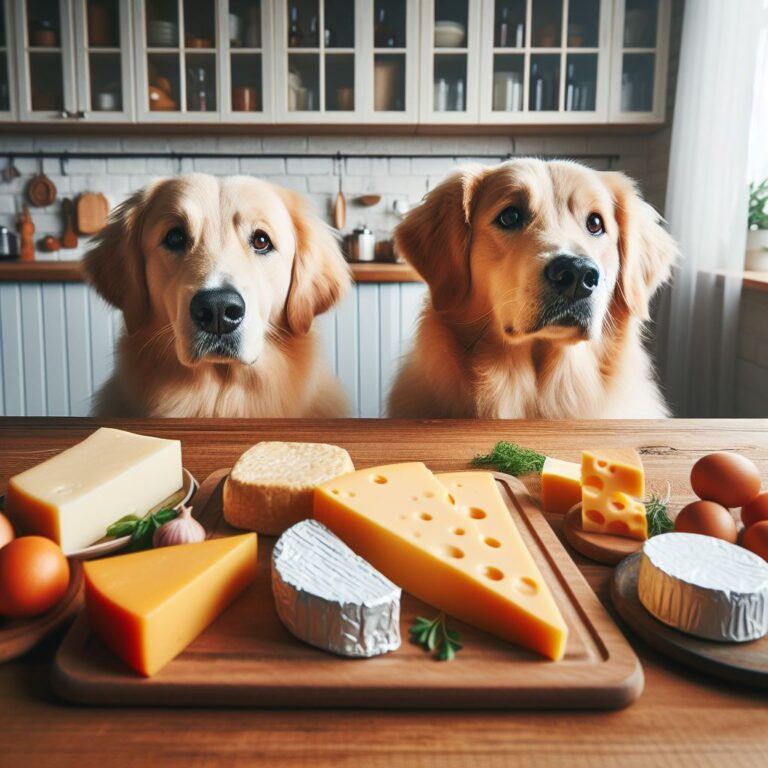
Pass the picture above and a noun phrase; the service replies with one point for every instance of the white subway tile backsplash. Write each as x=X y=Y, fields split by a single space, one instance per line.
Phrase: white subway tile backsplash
x=221 y=166
x=261 y=166
x=309 y=165
x=126 y=165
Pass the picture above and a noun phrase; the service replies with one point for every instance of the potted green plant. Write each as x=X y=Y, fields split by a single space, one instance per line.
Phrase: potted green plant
x=757 y=236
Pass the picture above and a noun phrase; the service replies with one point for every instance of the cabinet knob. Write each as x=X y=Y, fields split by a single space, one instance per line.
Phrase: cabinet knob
x=81 y=114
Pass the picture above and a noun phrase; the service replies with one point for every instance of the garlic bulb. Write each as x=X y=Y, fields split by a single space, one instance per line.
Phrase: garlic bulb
x=183 y=529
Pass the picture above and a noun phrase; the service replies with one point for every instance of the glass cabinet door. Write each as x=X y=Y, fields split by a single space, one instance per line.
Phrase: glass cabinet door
x=247 y=94
x=393 y=39
x=46 y=78
x=545 y=59
x=7 y=105
x=640 y=47
x=450 y=50
x=322 y=41
x=179 y=60
x=104 y=76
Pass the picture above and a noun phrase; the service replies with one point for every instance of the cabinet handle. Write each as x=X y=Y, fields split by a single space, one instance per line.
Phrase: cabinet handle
x=81 y=114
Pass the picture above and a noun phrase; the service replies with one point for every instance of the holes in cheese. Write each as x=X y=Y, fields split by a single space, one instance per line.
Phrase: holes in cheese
x=499 y=589
x=612 y=480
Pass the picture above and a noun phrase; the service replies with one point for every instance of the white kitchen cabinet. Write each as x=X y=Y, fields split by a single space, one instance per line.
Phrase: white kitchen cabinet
x=639 y=55
x=178 y=47
x=450 y=61
x=74 y=60
x=390 y=61
x=545 y=61
x=8 y=110
x=248 y=61
x=320 y=59
x=332 y=62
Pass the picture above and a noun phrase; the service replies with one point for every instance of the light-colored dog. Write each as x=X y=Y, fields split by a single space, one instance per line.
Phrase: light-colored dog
x=218 y=281
x=540 y=276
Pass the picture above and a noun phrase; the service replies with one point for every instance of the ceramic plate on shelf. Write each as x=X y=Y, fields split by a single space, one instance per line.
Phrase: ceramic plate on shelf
x=107 y=545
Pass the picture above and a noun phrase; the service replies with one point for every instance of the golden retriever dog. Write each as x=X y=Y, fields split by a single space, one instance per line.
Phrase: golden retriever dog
x=218 y=281
x=540 y=276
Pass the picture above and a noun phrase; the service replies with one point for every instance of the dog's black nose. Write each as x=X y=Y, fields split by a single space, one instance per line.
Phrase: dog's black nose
x=573 y=277
x=217 y=310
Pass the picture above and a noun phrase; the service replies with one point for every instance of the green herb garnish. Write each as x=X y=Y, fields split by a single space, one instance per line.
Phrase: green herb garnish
x=141 y=529
x=511 y=458
x=656 y=514
x=435 y=637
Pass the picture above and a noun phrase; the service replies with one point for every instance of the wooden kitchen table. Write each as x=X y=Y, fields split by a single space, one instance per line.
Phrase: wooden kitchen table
x=682 y=718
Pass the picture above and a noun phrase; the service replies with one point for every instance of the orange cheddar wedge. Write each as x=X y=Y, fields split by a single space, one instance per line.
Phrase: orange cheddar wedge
x=560 y=485
x=612 y=482
x=411 y=528
x=148 y=606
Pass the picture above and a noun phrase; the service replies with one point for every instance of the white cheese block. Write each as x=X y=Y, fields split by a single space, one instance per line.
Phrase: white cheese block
x=75 y=496
x=331 y=598
x=704 y=586
x=270 y=487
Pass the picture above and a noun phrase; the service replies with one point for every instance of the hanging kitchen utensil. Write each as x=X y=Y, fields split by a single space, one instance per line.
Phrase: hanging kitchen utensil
x=91 y=212
x=41 y=191
x=50 y=244
x=10 y=172
x=68 y=237
x=340 y=205
x=368 y=200
x=27 y=234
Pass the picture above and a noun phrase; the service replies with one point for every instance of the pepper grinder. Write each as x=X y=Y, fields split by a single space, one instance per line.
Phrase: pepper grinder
x=27 y=235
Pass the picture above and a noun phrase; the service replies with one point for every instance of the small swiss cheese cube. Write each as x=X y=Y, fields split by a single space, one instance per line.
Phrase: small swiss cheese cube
x=612 y=481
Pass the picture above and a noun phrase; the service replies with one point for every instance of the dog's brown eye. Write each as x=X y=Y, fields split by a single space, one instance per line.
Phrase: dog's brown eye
x=175 y=239
x=510 y=218
x=595 y=224
x=260 y=241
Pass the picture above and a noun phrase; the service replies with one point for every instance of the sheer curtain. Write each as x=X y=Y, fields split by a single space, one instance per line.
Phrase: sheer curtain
x=707 y=193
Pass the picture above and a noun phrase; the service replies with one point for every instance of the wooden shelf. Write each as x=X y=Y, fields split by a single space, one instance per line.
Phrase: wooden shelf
x=71 y=272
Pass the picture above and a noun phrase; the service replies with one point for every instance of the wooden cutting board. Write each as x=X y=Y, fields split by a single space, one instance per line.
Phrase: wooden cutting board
x=247 y=657
x=91 y=212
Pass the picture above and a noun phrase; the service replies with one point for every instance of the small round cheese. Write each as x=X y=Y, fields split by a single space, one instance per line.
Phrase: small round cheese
x=704 y=586
x=270 y=487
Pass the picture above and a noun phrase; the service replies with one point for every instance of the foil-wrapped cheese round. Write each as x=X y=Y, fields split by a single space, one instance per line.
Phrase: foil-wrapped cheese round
x=329 y=597
x=704 y=586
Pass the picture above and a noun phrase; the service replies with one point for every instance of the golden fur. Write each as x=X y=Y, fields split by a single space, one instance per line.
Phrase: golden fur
x=479 y=351
x=278 y=371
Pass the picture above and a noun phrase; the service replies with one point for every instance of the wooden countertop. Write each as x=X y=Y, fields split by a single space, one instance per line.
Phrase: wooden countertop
x=682 y=718
x=70 y=272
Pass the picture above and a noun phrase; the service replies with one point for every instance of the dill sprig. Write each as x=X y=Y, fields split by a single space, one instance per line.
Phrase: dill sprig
x=511 y=458
x=435 y=637
x=656 y=514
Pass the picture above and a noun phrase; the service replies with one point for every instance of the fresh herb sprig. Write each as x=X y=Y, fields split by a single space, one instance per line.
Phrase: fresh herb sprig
x=511 y=458
x=435 y=637
x=656 y=514
x=141 y=529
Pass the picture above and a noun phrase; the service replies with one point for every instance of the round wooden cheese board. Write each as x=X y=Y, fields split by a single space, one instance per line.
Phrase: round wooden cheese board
x=743 y=663
x=601 y=547
x=17 y=636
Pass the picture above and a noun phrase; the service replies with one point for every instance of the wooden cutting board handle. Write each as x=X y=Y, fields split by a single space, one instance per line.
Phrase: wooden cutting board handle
x=69 y=238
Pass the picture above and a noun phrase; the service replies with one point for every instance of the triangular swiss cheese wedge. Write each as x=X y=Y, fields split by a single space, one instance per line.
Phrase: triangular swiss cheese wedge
x=404 y=522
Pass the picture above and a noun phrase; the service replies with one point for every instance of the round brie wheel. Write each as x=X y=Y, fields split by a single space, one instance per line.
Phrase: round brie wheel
x=704 y=586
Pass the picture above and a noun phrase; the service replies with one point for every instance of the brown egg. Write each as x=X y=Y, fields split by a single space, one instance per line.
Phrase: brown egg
x=755 y=511
x=6 y=531
x=708 y=519
x=755 y=539
x=34 y=575
x=727 y=478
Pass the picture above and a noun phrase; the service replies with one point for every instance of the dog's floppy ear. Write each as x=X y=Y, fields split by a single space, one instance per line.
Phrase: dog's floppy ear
x=319 y=275
x=435 y=237
x=115 y=263
x=647 y=251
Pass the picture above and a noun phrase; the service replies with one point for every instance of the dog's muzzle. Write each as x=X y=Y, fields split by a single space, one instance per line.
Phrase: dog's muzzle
x=570 y=282
x=217 y=314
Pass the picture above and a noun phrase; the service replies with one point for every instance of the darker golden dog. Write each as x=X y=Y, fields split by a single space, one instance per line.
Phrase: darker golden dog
x=540 y=276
